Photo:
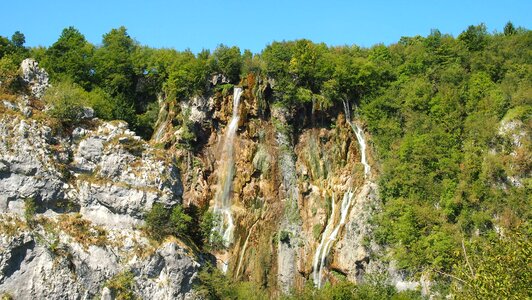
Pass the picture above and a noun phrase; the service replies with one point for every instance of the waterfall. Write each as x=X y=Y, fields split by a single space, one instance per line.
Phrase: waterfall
x=328 y=236
x=222 y=200
x=359 y=133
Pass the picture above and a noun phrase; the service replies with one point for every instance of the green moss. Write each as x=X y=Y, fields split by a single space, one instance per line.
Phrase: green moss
x=122 y=285
x=316 y=231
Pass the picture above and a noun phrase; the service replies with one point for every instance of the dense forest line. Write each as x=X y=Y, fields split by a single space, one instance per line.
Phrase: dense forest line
x=455 y=191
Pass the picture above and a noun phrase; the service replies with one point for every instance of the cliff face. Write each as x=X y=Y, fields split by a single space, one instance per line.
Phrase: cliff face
x=71 y=202
x=285 y=181
x=301 y=198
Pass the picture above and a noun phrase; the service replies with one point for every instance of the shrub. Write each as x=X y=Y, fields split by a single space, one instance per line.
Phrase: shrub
x=67 y=101
x=30 y=208
x=9 y=75
x=161 y=222
x=121 y=286
x=212 y=240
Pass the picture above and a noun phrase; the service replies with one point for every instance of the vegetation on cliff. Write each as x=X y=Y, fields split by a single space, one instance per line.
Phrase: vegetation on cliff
x=449 y=119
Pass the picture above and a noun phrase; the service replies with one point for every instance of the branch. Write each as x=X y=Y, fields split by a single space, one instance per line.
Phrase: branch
x=467 y=260
x=452 y=276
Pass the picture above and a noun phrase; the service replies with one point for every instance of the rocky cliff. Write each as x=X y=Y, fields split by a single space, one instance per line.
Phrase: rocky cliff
x=289 y=170
x=74 y=197
x=72 y=200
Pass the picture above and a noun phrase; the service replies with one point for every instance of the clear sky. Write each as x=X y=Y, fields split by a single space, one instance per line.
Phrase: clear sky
x=198 y=24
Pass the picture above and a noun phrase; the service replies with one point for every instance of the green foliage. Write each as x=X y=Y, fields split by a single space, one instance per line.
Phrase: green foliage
x=228 y=61
x=9 y=74
x=475 y=37
x=509 y=29
x=113 y=62
x=162 y=221
x=70 y=57
x=187 y=76
x=212 y=239
x=215 y=285
x=121 y=286
x=496 y=267
x=375 y=288
x=18 y=39
x=14 y=47
x=435 y=127
x=67 y=101
x=30 y=208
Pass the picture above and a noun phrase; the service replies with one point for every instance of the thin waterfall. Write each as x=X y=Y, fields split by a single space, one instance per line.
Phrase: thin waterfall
x=226 y=170
x=359 y=133
x=328 y=236
x=316 y=271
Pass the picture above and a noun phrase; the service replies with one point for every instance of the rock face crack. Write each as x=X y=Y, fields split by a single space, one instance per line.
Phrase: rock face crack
x=17 y=255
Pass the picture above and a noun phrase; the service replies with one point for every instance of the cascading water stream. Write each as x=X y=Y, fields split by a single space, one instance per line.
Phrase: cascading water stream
x=328 y=236
x=222 y=204
x=359 y=133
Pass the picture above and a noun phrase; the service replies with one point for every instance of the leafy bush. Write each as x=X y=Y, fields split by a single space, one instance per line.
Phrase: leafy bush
x=121 y=286
x=67 y=101
x=30 y=208
x=496 y=267
x=213 y=284
x=9 y=74
x=212 y=240
x=161 y=221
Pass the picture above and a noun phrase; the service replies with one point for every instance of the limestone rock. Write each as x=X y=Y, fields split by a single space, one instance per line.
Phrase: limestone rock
x=168 y=274
x=28 y=165
x=219 y=79
x=123 y=178
x=36 y=78
x=33 y=269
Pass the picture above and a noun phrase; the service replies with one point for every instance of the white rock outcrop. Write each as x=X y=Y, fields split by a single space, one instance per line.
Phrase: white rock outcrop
x=109 y=178
x=36 y=78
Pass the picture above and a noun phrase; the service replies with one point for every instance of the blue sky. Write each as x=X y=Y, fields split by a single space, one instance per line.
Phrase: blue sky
x=254 y=24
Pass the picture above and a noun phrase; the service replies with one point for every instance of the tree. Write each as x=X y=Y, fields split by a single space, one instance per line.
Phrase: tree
x=475 y=37
x=8 y=74
x=228 y=61
x=67 y=101
x=308 y=66
x=6 y=47
x=70 y=56
x=509 y=29
x=18 y=39
x=161 y=221
x=114 y=68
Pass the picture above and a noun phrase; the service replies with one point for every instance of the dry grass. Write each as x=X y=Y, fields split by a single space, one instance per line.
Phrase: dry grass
x=11 y=225
x=82 y=230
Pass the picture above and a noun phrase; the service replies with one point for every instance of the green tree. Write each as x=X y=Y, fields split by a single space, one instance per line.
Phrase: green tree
x=475 y=37
x=9 y=75
x=67 y=101
x=70 y=57
x=114 y=68
x=509 y=29
x=161 y=221
x=228 y=60
x=496 y=267
x=18 y=39
x=6 y=47
x=187 y=76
